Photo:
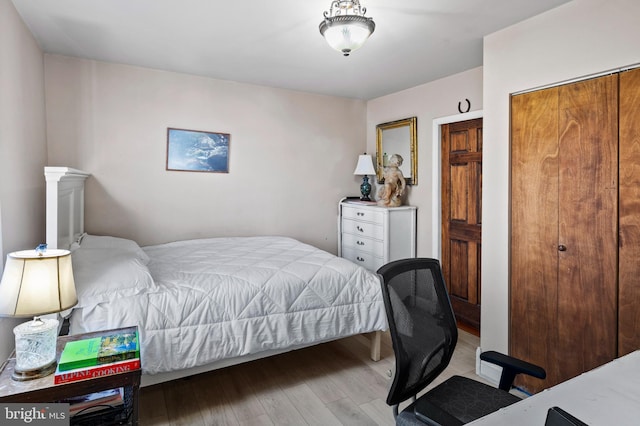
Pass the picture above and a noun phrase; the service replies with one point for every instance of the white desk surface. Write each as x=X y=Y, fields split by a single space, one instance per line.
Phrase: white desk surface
x=607 y=395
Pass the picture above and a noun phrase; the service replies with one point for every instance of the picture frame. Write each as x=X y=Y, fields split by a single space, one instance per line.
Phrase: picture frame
x=398 y=137
x=197 y=151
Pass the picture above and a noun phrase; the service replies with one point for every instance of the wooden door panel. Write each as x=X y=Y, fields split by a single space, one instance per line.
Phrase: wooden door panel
x=459 y=193
x=459 y=277
x=464 y=282
x=461 y=217
x=629 y=226
x=534 y=233
x=588 y=190
x=459 y=141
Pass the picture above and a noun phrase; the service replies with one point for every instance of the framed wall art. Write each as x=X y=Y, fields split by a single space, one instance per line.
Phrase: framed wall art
x=197 y=151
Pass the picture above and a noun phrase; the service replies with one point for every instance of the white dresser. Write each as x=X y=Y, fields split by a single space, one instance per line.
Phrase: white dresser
x=372 y=236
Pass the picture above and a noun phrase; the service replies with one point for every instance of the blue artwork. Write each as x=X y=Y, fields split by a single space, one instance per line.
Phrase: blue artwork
x=192 y=150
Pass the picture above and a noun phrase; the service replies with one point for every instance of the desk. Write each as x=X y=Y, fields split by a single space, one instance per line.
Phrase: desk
x=607 y=395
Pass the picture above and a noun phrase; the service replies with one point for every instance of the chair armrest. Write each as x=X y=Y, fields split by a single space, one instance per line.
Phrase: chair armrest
x=511 y=367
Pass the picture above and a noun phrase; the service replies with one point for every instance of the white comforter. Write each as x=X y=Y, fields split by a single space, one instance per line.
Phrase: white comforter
x=227 y=297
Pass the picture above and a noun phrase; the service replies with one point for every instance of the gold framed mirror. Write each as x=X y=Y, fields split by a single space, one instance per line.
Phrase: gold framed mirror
x=398 y=137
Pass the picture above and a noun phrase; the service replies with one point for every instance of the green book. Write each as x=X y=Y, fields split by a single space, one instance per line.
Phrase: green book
x=99 y=350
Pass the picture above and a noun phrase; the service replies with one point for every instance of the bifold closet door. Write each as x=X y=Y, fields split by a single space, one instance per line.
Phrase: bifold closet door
x=629 y=257
x=533 y=271
x=588 y=225
x=564 y=218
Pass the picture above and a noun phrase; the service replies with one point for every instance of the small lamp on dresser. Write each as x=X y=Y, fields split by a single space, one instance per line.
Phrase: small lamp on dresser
x=36 y=282
x=365 y=168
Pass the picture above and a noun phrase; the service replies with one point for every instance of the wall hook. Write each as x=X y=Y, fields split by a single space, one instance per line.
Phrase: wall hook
x=468 y=106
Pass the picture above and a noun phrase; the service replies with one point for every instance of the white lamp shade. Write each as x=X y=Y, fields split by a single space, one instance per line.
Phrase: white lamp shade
x=365 y=165
x=347 y=36
x=34 y=284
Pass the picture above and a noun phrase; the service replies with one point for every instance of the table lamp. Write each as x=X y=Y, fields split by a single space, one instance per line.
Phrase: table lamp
x=364 y=168
x=36 y=282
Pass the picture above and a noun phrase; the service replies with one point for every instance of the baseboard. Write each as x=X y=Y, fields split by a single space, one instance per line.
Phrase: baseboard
x=488 y=371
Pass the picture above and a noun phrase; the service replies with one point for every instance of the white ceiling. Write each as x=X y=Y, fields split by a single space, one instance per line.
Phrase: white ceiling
x=277 y=43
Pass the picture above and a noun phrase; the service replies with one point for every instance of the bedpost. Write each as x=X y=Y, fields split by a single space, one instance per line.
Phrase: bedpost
x=65 y=205
x=376 y=339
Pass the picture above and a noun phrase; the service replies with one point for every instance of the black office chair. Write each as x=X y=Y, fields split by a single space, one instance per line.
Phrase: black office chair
x=556 y=416
x=424 y=335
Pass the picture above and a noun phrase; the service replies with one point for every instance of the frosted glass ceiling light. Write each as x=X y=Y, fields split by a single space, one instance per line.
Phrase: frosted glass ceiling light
x=345 y=27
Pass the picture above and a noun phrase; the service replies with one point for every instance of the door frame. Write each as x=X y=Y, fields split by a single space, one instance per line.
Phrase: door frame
x=436 y=166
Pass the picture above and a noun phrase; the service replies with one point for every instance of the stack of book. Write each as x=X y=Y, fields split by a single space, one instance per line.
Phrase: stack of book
x=99 y=356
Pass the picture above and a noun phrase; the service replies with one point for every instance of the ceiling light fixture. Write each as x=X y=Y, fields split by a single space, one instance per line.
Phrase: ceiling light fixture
x=345 y=27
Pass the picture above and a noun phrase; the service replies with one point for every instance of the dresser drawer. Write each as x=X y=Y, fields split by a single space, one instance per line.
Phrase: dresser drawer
x=364 y=229
x=371 y=235
x=366 y=260
x=360 y=243
x=367 y=215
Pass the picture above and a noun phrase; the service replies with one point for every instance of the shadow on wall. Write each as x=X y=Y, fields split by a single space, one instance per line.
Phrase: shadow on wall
x=98 y=199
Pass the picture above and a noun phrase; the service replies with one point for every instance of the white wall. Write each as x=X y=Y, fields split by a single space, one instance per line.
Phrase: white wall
x=427 y=102
x=292 y=154
x=577 y=39
x=23 y=147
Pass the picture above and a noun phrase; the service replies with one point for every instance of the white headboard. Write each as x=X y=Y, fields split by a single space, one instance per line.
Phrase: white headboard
x=65 y=205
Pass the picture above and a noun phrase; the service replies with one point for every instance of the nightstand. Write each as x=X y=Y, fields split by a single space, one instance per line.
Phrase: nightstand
x=44 y=390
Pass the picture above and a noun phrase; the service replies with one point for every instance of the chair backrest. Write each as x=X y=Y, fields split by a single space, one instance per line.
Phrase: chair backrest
x=556 y=416
x=421 y=322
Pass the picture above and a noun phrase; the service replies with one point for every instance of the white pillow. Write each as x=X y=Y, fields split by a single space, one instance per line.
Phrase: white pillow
x=107 y=274
x=107 y=242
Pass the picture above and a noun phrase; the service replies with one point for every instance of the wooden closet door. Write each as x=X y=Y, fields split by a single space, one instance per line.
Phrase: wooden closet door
x=588 y=225
x=629 y=251
x=534 y=232
x=564 y=215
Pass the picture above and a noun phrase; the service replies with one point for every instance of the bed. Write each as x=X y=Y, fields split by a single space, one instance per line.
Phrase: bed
x=209 y=303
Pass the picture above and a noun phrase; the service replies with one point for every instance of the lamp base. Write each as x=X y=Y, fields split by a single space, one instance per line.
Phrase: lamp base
x=365 y=189
x=35 y=349
x=37 y=373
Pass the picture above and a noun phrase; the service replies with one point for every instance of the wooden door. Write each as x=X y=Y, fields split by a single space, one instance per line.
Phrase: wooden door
x=462 y=218
x=533 y=313
x=563 y=284
x=588 y=225
x=629 y=250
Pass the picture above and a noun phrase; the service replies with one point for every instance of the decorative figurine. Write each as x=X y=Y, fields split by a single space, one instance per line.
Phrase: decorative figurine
x=394 y=184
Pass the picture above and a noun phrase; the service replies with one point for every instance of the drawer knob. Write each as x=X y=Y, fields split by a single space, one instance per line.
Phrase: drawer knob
x=359 y=259
x=360 y=243
x=359 y=228
x=360 y=214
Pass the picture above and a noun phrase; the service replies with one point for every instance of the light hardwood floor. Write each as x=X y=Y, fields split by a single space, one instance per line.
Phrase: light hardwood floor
x=330 y=384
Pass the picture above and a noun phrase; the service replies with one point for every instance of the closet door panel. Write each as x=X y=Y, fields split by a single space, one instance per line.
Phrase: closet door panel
x=588 y=220
x=534 y=233
x=629 y=251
